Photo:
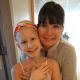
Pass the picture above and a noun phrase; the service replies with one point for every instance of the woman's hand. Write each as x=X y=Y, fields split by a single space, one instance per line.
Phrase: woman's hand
x=40 y=73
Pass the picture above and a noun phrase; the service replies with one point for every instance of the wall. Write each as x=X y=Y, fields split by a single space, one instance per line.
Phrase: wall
x=20 y=10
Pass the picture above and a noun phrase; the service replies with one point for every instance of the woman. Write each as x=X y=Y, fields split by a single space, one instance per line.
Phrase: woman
x=50 y=28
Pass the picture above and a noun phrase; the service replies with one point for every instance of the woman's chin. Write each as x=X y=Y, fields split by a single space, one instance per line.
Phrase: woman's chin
x=48 y=45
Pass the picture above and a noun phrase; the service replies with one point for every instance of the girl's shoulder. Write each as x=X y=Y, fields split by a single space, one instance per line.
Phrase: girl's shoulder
x=18 y=66
x=16 y=69
x=21 y=66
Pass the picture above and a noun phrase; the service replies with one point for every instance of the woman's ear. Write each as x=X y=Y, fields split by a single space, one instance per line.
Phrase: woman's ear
x=62 y=30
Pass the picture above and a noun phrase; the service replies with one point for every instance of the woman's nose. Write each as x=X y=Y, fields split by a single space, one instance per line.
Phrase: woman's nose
x=49 y=30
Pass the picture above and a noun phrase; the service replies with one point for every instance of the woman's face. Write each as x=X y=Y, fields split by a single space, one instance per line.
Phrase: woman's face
x=29 y=42
x=49 y=34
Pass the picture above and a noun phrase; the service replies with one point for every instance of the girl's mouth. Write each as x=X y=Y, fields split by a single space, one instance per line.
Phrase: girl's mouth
x=32 y=50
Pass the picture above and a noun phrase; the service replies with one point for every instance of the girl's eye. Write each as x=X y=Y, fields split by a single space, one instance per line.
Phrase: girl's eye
x=33 y=39
x=23 y=42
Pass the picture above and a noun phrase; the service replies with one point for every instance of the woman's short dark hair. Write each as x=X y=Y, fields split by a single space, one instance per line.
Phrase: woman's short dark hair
x=53 y=12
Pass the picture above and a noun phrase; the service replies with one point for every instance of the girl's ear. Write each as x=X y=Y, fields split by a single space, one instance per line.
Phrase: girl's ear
x=18 y=45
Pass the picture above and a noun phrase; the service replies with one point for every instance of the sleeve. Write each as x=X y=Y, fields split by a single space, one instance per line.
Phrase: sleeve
x=69 y=65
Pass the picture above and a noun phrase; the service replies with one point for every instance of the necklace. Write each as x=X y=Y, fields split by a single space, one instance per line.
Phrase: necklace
x=35 y=60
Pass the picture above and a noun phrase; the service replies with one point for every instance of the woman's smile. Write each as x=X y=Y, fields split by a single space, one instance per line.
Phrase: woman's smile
x=48 y=38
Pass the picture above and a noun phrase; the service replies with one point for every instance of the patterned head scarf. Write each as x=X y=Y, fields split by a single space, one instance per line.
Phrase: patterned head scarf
x=22 y=24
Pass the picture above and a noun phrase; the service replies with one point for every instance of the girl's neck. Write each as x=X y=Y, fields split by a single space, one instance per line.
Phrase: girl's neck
x=34 y=59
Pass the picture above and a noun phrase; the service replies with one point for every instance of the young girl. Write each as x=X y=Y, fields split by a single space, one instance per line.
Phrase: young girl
x=34 y=67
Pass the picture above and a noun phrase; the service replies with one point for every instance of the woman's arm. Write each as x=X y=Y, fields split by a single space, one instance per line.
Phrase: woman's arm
x=56 y=71
x=69 y=65
x=40 y=73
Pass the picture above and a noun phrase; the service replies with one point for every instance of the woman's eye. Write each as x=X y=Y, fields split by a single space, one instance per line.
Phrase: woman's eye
x=56 y=26
x=44 y=25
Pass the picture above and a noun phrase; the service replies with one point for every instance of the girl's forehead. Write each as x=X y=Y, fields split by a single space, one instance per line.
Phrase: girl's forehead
x=28 y=31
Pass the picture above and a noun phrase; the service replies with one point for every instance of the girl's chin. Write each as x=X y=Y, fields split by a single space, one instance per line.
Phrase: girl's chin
x=32 y=56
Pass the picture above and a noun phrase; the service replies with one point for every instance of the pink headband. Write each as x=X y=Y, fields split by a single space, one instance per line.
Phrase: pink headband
x=22 y=23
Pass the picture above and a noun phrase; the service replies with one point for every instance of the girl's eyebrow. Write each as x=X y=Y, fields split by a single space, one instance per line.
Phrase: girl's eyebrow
x=23 y=39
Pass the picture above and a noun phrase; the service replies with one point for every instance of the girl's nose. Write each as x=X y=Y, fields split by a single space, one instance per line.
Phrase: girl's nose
x=29 y=44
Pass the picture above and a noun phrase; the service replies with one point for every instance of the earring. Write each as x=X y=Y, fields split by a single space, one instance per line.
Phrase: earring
x=41 y=46
x=42 y=49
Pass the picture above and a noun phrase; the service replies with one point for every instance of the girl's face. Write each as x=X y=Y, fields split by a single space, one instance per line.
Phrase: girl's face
x=29 y=42
x=49 y=34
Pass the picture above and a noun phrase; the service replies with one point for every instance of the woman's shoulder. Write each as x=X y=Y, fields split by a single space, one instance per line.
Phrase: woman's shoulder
x=65 y=44
x=67 y=48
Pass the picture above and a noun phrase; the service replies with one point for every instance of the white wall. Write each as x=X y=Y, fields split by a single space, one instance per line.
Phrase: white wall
x=72 y=27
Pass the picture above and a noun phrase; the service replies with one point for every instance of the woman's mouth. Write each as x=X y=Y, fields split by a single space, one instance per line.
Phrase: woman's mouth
x=49 y=38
